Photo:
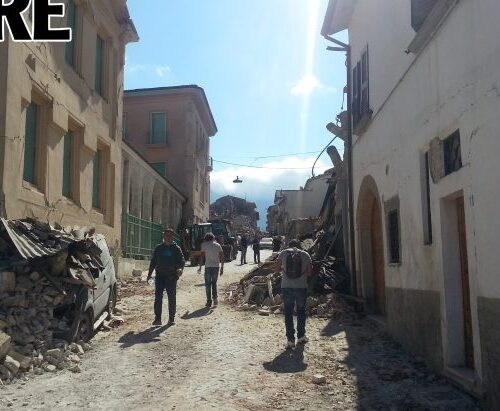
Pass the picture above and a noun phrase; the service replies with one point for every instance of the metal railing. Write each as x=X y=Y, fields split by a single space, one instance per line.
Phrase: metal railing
x=139 y=237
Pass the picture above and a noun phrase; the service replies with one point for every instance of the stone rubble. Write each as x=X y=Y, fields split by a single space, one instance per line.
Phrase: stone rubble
x=37 y=296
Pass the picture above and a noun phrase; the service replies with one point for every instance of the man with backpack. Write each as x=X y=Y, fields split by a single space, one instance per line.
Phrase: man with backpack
x=256 y=250
x=295 y=265
x=244 y=246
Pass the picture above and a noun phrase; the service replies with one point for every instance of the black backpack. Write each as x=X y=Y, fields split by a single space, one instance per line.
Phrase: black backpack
x=293 y=264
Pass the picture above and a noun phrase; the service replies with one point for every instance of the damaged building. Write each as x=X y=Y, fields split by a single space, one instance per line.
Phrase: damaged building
x=304 y=203
x=60 y=121
x=424 y=108
x=241 y=213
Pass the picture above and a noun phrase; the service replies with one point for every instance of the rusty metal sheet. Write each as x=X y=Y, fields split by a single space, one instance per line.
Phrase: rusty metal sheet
x=31 y=248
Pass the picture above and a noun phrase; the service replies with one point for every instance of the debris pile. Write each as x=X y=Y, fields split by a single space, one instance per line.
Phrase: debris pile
x=260 y=290
x=43 y=270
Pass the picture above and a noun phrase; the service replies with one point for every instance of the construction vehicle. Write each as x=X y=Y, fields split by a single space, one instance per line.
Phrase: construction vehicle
x=221 y=229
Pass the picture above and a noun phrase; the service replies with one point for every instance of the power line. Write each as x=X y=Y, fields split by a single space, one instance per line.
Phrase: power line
x=267 y=168
x=277 y=155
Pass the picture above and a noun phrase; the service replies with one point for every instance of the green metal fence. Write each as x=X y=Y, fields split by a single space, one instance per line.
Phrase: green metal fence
x=140 y=237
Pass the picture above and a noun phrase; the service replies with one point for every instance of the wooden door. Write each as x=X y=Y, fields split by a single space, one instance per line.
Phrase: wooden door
x=377 y=244
x=464 y=265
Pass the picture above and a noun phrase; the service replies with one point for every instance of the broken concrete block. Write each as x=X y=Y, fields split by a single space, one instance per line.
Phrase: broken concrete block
x=319 y=379
x=7 y=281
x=11 y=364
x=4 y=344
x=3 y=324
x=55 y=352
x=264 y=312
x=49 y=367
x=25 y=362
x=136 y=273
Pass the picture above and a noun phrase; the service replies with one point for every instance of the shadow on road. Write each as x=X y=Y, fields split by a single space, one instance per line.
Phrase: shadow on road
x=202 y=312
x=289 y=361
x=152 y=334
x=200 y=285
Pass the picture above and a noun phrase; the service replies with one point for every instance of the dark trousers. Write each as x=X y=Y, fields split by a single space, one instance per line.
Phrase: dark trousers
x=165 y=284
x=291 y=297
x=211 y=276
x=243 y=255
x=256 y=256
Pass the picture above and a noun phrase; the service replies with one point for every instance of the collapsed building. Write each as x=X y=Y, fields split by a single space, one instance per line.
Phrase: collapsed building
x=241 y=213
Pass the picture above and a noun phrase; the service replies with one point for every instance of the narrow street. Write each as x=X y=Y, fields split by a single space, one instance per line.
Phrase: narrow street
x=222 y=358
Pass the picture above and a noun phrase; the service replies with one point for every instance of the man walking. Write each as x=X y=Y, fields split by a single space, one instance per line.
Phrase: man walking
x=296 y=266
x=211 y=256
x=244 y=246
x=256 y=250
x=168 y=262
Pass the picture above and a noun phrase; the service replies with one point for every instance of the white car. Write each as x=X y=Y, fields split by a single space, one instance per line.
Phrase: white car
x=266 y=243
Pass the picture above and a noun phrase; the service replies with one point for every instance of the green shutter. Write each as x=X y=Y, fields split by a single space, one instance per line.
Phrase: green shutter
x=99 y=49
x=160 y=167
x=69 y=53
x=96 y=181
x=159 y=128
x=68 y=145
x=30 y=137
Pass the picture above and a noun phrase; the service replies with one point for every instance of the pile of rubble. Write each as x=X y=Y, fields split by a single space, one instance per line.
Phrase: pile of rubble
x=42 y=270
x=260 y=290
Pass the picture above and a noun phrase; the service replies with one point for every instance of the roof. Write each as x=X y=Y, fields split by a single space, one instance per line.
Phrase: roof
x=338 y=16
x=189 y=88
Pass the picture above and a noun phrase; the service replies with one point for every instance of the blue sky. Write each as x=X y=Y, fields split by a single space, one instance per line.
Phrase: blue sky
x=270 y=82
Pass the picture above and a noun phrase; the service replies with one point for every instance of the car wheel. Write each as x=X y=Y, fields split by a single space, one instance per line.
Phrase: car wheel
x=85 y=327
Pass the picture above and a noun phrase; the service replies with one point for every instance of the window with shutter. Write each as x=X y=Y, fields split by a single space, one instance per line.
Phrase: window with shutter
x=30 y=141
x=96 y=180
x=420 y=9
x=69 y=52
x=99 y=65
x=158 y=128
x=360 y=89
x=67 y=165
x=364 y=90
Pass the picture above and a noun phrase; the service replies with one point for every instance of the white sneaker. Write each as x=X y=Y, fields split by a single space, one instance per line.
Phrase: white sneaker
x=302 y=340
x=290 y=345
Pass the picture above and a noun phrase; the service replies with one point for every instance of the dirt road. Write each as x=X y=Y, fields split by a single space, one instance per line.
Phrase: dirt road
x=224 y=359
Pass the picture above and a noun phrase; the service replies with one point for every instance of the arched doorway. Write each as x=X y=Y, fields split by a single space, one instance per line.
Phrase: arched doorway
x=371 y=246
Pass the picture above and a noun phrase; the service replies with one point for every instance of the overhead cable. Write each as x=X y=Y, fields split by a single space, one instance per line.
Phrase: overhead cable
x=267 y=168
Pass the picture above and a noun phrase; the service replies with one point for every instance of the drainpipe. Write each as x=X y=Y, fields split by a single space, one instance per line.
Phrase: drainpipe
x=348 y=148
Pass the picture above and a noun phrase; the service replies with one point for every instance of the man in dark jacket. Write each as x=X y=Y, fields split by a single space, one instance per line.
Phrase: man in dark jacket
x=256 y=250
x=168 y=262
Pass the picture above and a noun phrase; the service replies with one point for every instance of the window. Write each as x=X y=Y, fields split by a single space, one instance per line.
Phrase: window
x=393 y=230
x=96 y=180
x=420 y=9
x=30 y=143
x=426 y=199
x=360 y=90
x=99 y=66
x=158 y=128
x=160 y=168
x=393 y=222
x=69 y=52
x=67 y=165
x=452 y=153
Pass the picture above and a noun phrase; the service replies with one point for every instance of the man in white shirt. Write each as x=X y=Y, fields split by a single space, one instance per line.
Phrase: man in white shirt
x=211 y=256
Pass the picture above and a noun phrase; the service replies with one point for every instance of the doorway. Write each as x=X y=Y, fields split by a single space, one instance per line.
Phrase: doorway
x=459 y=334
x=371 y=243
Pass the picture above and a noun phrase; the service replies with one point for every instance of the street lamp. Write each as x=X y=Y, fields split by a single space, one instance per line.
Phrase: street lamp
x=237 y=180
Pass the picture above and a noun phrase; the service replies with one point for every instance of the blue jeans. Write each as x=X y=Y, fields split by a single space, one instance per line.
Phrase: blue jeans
x=170 y=285
x=211 y=276
x=292 y=296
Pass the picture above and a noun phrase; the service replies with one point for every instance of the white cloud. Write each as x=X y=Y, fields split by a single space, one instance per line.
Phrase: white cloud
x=260 y=184
x=309 y=83
x=162 y=71
x=151 y=69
